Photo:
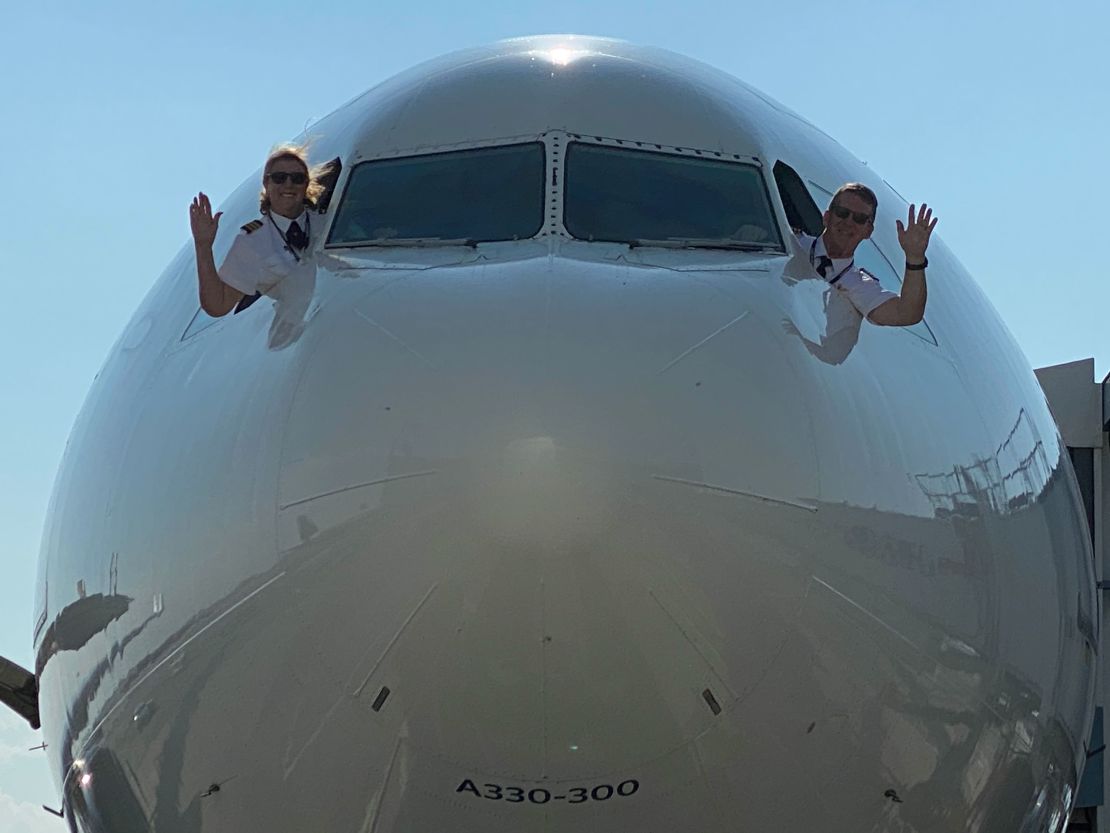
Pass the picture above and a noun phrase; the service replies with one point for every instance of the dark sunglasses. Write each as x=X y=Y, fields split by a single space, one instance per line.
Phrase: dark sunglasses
x=860 y=218
x=279 y=177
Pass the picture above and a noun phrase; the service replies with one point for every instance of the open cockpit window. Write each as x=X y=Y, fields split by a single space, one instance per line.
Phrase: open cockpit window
x=472 y=196
x=802 y=212
x=649 y=198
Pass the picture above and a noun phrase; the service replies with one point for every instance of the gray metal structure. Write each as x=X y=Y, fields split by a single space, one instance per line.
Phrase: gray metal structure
x=1081 y=407
x=558 y=534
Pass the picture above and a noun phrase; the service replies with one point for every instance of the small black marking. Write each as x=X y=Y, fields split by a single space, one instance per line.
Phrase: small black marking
x=214 y=788
x=59 y=813
x=893 y=796
x=697 y=384
x=812 y=726
x=379 y=701
x=714 y=706
x=388 y=408
x=560 y=798
x=1095 y=751
x=547 y=639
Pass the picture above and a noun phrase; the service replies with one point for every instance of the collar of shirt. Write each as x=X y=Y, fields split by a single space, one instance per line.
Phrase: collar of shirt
x=283 y=223
x=839 y=264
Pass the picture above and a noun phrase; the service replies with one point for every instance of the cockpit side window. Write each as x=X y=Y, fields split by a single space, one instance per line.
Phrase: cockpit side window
x=802 y=212
x=622 y=195
x=477 y=195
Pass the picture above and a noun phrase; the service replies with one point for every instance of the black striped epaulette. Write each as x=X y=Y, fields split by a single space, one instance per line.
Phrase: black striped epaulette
x=866 y=274
x=253 y=225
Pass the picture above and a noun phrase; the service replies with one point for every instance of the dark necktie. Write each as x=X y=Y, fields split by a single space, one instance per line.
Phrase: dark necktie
x=295 y=237
x=824 y=264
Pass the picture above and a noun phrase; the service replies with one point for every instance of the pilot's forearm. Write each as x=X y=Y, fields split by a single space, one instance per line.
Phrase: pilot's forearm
x=216 y=297
x=914 y=295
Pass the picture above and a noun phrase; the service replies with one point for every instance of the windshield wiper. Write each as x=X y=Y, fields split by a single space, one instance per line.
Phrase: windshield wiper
x=416 y=242
x=699 y=243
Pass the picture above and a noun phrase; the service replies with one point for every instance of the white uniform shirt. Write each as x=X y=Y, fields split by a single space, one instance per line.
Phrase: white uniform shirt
x=861 y=288
x=260 y=261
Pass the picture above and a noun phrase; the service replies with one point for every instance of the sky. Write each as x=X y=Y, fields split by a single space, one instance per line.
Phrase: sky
x=115 y=114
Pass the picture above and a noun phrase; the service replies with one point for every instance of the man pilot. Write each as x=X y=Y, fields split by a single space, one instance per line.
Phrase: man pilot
x=849 y=220
x=270 y=255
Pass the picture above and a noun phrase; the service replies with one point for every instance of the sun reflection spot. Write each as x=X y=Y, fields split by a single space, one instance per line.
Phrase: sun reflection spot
x=563 y=55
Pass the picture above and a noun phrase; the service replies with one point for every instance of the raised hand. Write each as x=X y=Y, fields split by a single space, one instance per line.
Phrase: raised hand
x=204 y=225
x=913 y=237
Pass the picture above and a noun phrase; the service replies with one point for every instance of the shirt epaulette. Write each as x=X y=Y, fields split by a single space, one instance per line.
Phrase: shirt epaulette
x=865 y=273
x=253 y=225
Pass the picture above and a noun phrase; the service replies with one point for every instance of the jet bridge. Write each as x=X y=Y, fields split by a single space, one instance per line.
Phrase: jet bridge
x=1082 y=410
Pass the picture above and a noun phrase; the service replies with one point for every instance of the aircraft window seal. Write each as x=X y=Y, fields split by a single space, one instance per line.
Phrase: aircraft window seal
x=642 y=145
x=622 y=194
x=681 y=243
x=388 y=242
x=496 y=193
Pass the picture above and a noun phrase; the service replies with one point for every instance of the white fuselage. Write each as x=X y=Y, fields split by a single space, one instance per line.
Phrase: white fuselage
x=556 y=535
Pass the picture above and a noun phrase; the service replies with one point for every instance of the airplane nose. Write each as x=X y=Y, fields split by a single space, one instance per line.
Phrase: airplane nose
x=539 y=382
x=531 y=494
x=548 y=504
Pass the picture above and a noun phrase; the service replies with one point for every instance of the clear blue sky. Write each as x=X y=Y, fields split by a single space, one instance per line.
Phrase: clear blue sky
x=116 y=113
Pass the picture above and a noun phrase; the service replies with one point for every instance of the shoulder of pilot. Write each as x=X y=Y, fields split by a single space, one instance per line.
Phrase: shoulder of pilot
x=251 y=227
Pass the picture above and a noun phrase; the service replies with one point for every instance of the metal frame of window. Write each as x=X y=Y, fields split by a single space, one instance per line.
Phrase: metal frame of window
x=665 y=150
x=357 y=160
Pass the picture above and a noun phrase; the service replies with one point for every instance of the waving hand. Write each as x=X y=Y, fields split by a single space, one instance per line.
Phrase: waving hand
x=914 y=235
x=204 y=225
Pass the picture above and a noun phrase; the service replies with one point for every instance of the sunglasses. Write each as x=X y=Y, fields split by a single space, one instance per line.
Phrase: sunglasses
x=279 y=177
x=860 y=218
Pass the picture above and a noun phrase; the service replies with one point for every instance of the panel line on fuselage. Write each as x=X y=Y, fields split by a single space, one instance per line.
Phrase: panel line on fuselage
x=181 y=648
x=701 y=343
x=809 y=507
x=354 y=486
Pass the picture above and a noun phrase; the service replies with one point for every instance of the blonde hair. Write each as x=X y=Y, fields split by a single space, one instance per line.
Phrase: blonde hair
x=299 y=153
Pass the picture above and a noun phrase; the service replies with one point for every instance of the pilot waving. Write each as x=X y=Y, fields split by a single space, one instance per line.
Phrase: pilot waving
x=272 y=255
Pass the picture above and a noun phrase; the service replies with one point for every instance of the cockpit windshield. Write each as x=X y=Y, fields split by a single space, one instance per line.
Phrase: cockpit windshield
x=647 y=198
x=472 y=196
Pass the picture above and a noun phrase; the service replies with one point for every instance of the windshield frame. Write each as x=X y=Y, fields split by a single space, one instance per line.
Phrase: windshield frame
x=771 y=246
x=358 y=161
